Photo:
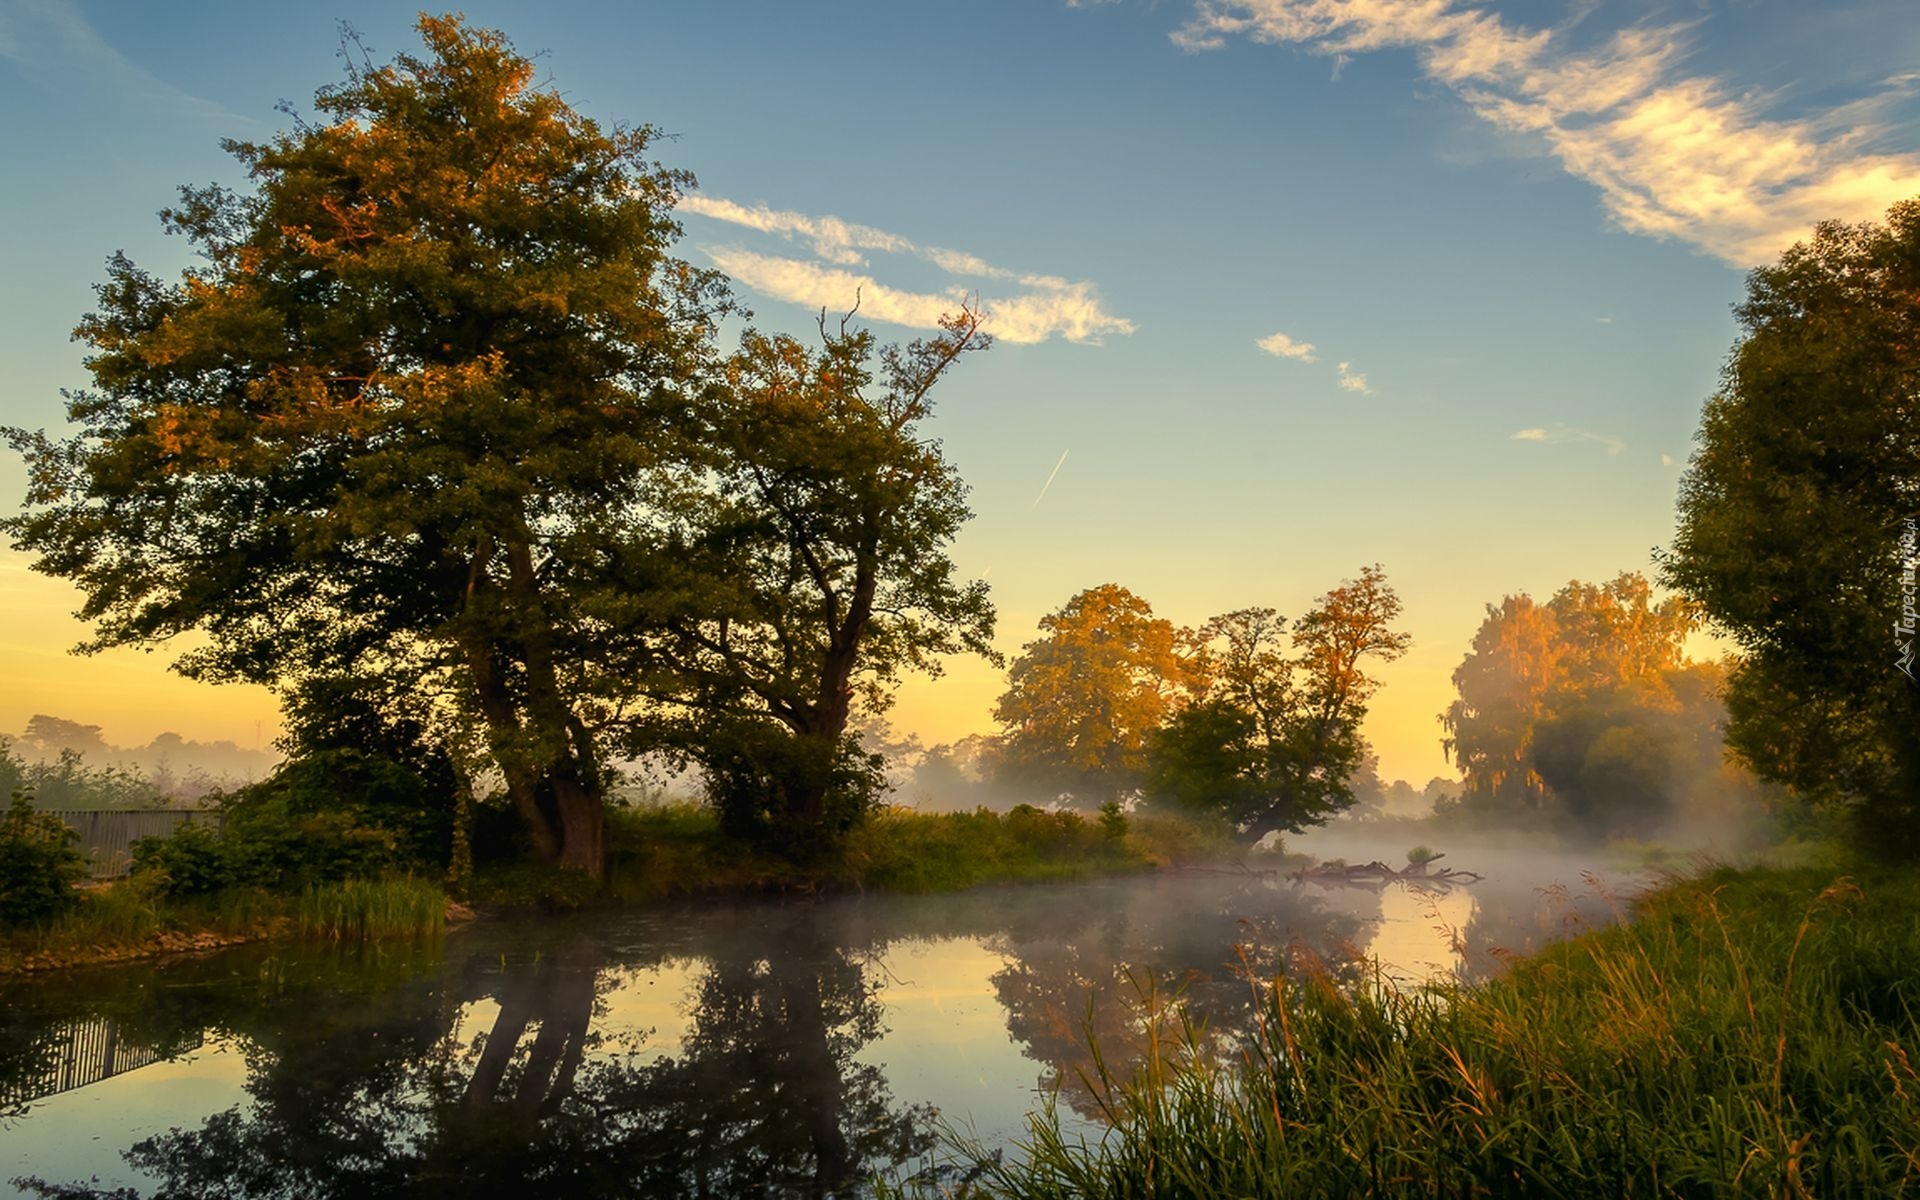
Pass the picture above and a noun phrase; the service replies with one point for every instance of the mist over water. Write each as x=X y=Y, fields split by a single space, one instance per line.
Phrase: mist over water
x=731 y=1048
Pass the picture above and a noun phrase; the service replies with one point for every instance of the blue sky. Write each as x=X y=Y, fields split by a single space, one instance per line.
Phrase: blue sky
x=1509 y=235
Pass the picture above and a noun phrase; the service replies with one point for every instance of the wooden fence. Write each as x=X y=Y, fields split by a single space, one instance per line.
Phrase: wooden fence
x=75 y=1054
x=107 y=835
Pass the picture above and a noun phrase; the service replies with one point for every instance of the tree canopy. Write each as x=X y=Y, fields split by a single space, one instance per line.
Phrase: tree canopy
x=815 y=571
x=1274 y=741
x=1797 y=521
x=438 y=417
x=1083 y=701
x=1586 y=709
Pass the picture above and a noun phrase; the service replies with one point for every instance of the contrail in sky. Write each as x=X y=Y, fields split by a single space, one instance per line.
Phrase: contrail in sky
x=1049 y=482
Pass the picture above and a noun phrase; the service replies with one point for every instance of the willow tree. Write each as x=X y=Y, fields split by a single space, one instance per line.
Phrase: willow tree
x=398 y=417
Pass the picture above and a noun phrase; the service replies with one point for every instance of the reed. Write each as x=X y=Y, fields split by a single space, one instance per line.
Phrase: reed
x=1747 y=1034
x=359 y=910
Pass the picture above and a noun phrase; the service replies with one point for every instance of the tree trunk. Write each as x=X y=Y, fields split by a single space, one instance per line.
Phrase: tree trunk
x=573 y=772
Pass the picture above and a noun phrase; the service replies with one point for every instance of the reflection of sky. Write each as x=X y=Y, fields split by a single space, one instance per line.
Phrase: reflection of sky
x=945 y=1041
x=61 y=1138
x=1418 y=931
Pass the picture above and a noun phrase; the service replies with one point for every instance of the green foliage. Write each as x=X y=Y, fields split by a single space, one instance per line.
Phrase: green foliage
x=775 y=789
x=1113 y=821
x=193 y=861
x=362 y=910
x=1797 y=523
x=67 y=781
x=39 y=865
x=820 y=573
x=677 y=850
x=933 y=852
x=400 y=419
x=326 y=817
x=1751 y=1034
x=1275 y=741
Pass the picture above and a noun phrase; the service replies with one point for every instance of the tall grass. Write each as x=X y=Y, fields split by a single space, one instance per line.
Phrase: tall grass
x=127 y=919
x=1749 y=1034
x=358 y=910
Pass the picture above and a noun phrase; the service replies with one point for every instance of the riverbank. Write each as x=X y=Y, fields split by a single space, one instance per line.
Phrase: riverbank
x=655 y=853
x=1751 y=1032
x=126 y=921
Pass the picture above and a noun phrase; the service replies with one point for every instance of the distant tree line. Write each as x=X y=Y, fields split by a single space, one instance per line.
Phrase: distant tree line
x=1245 y=719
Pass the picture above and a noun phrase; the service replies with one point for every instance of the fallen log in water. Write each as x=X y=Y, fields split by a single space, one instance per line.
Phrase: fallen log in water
x=1379 y=874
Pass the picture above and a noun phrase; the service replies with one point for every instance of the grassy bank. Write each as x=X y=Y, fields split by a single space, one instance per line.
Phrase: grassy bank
x=1751 y=1033
x=126 y=921
x=679 y=850
x=653 y=853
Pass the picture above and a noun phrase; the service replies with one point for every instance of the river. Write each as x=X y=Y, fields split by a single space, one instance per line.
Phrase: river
x=770 y=1047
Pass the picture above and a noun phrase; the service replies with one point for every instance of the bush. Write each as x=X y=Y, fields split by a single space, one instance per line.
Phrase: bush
x=39 y=864
x=328 y=816
x=760 y=777
x=193 y=861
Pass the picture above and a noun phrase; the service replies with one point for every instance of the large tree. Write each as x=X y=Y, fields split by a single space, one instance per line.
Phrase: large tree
x=1531 y=662
x=1275 y=740
x=811 y=571
x=1586 y=711
x=400 y=416
x=1083 y=701
x=1797 y=521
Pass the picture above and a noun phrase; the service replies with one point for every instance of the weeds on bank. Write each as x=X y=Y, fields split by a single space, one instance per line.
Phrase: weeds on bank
x=672 y=850
x=1749 y=1034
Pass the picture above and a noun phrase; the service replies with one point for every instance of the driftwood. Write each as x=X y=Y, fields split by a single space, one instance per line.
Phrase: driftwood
x=1327 y=874
x=1379 y=874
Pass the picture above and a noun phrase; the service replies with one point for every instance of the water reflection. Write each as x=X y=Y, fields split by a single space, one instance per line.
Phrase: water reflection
x=395 y=1097
x=736 y=1050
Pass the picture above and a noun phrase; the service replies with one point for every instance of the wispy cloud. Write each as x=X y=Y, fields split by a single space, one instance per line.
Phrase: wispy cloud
x=1562 y=434
x=1674 y=154
x=1281 y=346
x=53 y=41
x=1352 y=380
x=831 y=238
x=1048 y=306
x=1073 y=312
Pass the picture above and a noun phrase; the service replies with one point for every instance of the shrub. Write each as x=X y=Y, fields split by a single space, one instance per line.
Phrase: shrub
x=39 y=864
x=759 y=776
x=324 y=817
x=193 y=861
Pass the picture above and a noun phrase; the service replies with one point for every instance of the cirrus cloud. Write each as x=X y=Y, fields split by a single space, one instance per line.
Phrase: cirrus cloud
x=1046 y=306
x=1674 y=154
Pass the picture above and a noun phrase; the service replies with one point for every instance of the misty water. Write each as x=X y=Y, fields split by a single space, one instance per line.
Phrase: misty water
x=772 y=1047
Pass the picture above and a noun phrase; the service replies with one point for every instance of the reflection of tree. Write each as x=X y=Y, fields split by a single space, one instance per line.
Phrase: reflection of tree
x=1515 y=920
x=766 y=1097
x=1119 y=973
x=387 y=1098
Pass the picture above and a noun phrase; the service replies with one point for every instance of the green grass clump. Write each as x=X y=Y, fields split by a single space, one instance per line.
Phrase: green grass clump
x=359 y=910
x=1750 y=1033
